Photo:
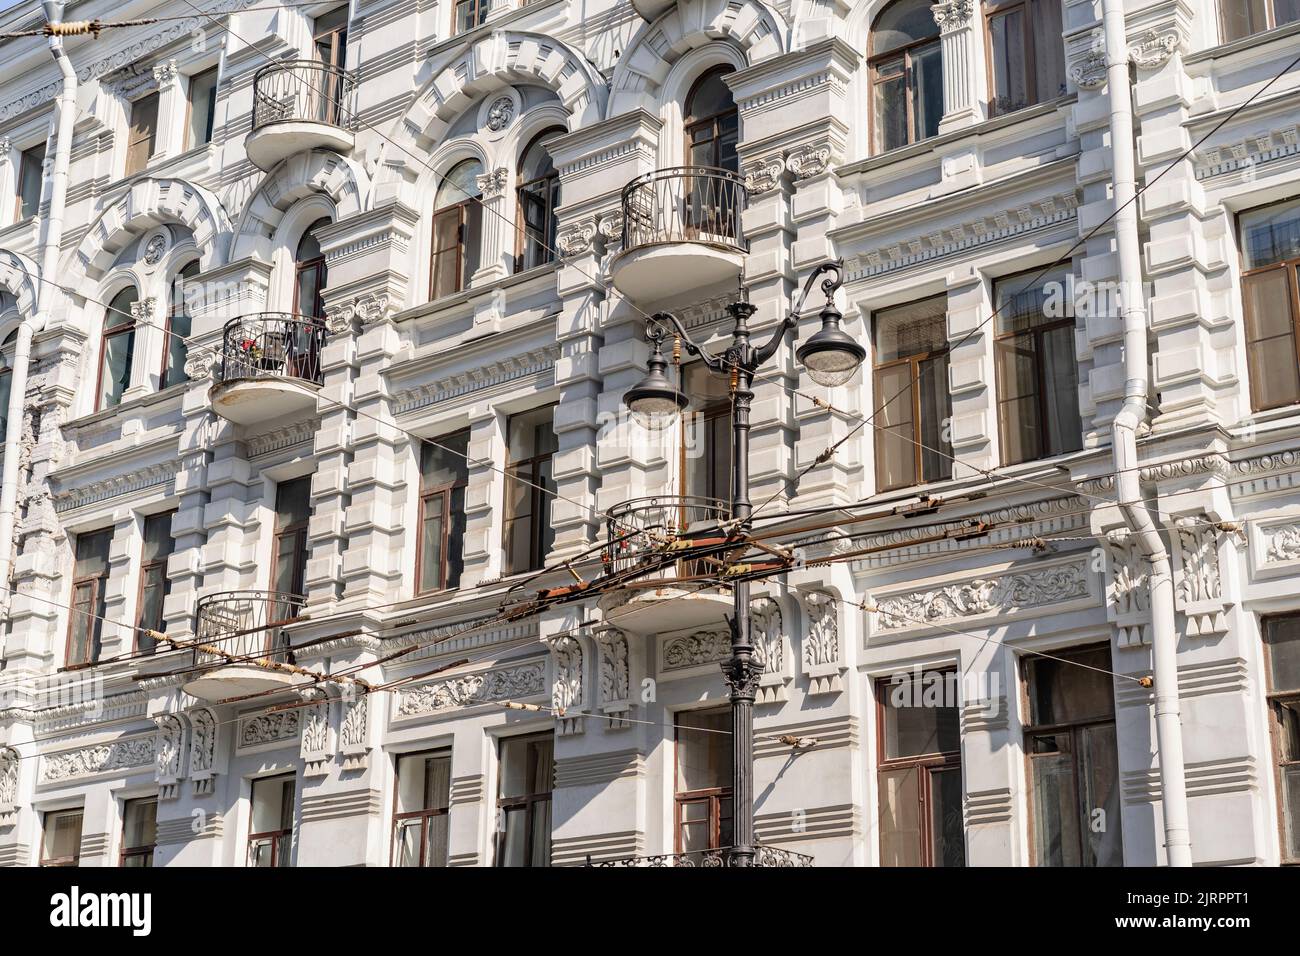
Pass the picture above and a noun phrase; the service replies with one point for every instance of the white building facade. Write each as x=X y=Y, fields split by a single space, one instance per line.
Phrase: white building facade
x=346 y=301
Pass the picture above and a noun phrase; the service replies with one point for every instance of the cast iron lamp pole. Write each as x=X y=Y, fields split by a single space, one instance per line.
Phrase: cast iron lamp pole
x=831 y=358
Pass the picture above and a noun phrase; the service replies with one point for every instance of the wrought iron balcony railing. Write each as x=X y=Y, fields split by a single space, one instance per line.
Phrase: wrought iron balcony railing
x=685 y=204
x=764 y=856
x=306 y=91
x=272 y=345
x=245 y=624
x=635 y=529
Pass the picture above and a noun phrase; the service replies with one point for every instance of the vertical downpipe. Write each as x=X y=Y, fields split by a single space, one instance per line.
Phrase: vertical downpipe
x=1164 y=640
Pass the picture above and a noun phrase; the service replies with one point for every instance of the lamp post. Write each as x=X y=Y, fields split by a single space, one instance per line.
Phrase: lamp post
x=831 y=357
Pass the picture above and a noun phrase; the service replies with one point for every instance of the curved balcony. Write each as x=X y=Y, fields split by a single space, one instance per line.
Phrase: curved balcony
x=247 y=625
x=681 y=233
x=638 y=535
x=270 y=367
x=299 y=105
x=764 y=856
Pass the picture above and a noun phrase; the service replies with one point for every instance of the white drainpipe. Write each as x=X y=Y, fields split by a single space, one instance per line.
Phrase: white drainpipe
x=67 y=112
x=1164 y=640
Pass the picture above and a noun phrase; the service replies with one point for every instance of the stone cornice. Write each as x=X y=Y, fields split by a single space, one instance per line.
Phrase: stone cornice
x=535 y=361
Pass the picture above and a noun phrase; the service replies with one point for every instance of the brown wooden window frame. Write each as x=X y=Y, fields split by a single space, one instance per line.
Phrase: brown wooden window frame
x=26 y=168
x=173 y=373
x=60 y=861
x=1038 y=334
x=1033 y=95
x=710 y=123
x=90 y=606
x=1270 y=22
x=1290 y=268
x=156 y=568
x=546 y=186
x=874 y=63
x=277 y=838
x=1276 y=700
x=924 y=764
x=480 y=9
x=460 y=211
x=144 y=850
x=1074 y=729
x=314 y=266
x=135 y=162
x=711 y=797
x=210 y=121
x=522 y=802
x=125 y=326
x=295 y=531
x=425 y=815
x=914 y=377
x=539 y=500
x=444 y=491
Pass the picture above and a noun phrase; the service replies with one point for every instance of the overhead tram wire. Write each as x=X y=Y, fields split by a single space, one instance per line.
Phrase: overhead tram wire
x=1147 y=184
x=777 y=380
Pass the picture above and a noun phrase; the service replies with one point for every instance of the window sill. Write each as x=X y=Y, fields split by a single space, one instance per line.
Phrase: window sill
x=143 y=401
x=925 y=146
x=474 y=293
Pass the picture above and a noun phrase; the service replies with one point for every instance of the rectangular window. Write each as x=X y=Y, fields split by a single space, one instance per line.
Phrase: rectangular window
x=912 y=400
x=31 y=174
x=61 y=839
x=1038 y=377
x=706 y=434
x=154 y=583
x=1282 y=647
x=703 y=780
x=423 y=798
x=292 y=513
x=529 y=489
x=89 y=583
x=142 y=136
x=1270 y=258
x=203 y=107
x=1243 y=18
x=455 y=247
x=1073 y=763
x=270 y=831
x=444 y=475
x=139 y=832
x=919 y=772
x=470 y=14
x=1026 y=53
x=524 y=801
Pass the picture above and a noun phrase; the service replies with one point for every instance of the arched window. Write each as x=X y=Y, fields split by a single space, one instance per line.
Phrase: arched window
x=179 y=325
x=457 y=229
x=539 y=194
x=117 y=349
x=309 y=273
x=906 y=75
x=712 y=123
x=6 y=370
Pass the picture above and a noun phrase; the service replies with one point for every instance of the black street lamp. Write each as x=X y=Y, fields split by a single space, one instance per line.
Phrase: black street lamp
x=831 y=357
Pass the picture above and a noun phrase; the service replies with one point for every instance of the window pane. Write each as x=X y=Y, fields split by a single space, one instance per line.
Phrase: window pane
x=142 y=134
x=1267 y=305
x=703 y=750
x=115 y=377
x=292 y=502
x=526 y=762
x=514 y=839
x=62 y=837
x=1282 y=635
x=1049 y=49
x=29 y=181
x=140 y=823
x=913 y=329
x=1270 y=339
x=406 y=839
x=1241 y=18
x=444 y=463
x=1285 y=11
x=153 y=590
x=889 y=96
x=6 y=384
x=271 y=796
x=947 y=830
x=1055 y=803
x=936 y=415
x=1060 y=691
x=927 y=91
x=1270 y=235
x=1007 y=48
x=203 y=103
x=902 y=23
x=920 y=716
x=436 y=831
x=695 y=829
x=92 y=553
x=1099 y=769
x=900 y=817
x=1018 y=420
x=431 y=535
x=1064 y=432
x=540 y=824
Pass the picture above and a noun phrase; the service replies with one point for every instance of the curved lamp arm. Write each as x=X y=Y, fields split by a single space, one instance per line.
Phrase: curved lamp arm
x=829 y=286
x=655 y=329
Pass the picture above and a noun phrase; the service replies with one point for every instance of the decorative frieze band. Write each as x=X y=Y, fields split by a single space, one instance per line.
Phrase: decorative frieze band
x=129 y=754
x=506 y=683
